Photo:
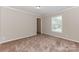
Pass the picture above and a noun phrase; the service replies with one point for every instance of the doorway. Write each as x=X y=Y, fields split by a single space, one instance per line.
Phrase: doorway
x=38 y=26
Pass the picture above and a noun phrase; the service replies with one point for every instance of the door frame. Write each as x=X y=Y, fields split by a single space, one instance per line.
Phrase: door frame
x=40 y=26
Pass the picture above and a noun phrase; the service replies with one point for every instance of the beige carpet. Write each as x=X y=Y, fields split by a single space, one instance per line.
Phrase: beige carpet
x=40 y=43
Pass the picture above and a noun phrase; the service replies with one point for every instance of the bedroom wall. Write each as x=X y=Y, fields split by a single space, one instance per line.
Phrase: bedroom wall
x=70 y=25
x=0 y=22
x=16 y=24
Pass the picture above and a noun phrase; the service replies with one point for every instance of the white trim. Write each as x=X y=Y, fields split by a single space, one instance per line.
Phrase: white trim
x=62 y=11
x=5 y=41
x=32 y=13
x=67 y=9
x=63 y=37
x=2 y=38
x=26 y=12
x=9 y=40
x=67 y=38
x=35 y=34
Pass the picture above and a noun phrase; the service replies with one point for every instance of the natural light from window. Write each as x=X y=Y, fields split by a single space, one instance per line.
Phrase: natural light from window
x=57 y=24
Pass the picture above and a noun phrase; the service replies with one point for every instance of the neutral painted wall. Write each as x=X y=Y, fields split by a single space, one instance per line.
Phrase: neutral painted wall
x=16 y=24
x=0 y=22
x=70 y=24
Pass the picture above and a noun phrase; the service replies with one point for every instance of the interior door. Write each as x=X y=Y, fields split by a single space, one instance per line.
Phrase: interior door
x=38 y=26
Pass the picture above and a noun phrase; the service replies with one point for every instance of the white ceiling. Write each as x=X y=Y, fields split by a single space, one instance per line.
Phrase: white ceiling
x=43 y=9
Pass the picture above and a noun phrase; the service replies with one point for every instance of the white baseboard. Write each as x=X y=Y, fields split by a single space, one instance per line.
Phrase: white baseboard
x=63 y=37
x=3 y=40
x=9 y=40
x=67 y=38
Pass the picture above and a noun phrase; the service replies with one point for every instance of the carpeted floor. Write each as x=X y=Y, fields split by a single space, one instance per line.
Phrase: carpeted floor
x=40 y=43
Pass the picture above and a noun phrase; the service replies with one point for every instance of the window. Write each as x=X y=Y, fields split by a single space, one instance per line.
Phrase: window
x=57 y=24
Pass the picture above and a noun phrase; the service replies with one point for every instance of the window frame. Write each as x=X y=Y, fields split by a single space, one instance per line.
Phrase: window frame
x=53 y=30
